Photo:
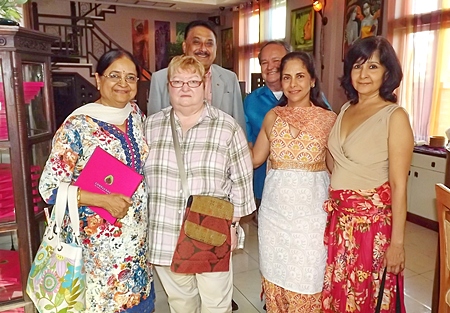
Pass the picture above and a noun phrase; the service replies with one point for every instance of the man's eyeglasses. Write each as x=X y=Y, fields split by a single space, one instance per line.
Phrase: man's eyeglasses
x=116 y=77
x=190 y=83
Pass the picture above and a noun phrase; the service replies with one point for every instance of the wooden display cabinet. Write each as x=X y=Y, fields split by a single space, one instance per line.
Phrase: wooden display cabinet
x=27 y=125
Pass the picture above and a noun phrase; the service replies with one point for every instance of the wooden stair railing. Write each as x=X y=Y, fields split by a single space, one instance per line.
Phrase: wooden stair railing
x=81 y=43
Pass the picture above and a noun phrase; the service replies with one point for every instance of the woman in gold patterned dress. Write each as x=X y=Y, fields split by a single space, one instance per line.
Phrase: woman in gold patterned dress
x=291 y=223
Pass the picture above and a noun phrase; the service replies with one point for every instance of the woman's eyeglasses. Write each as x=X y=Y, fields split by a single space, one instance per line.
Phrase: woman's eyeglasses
x=190 y=83
x=116 y=77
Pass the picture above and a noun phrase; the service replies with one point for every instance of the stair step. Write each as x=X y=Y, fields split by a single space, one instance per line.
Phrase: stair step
x=65 y=59
x=95 y=17
x=62 y=64
x=109 y=10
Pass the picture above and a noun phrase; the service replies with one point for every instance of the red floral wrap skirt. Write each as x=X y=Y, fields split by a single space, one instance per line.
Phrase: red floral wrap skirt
x=358 y=233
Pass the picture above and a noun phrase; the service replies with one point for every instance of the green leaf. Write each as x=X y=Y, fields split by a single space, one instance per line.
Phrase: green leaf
x=41 y=289
x=79 y=307
x=59 y=299
x=48 y=307
x=62 y=310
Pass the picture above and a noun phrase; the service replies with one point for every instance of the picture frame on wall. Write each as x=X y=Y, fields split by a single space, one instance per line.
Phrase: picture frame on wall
x=227 y=48
x=302 y=29
x=363 y=18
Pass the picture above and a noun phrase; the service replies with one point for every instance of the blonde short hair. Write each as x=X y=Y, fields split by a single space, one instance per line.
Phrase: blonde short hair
x=186 y=64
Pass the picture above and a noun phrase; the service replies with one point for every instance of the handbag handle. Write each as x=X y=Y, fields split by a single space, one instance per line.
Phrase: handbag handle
x=67 y=197
x=60 y=205
x=176 y=144
x=381 y=292
x=73 y=210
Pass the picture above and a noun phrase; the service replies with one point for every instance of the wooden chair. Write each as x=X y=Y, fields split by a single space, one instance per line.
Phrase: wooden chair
x=443 y=208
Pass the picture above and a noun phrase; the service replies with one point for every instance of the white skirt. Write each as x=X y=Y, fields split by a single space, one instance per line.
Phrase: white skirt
x=291 y=224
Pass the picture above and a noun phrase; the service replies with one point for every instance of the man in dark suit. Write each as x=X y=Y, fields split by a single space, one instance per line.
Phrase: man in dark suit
x=221 y=86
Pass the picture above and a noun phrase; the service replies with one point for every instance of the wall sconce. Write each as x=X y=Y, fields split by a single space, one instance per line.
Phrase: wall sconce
x=319 y=6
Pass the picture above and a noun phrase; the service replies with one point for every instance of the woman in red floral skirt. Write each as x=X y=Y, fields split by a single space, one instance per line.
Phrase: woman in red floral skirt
x=372 y=144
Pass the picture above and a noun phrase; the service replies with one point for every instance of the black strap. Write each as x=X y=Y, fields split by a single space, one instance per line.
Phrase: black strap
x=398 y=305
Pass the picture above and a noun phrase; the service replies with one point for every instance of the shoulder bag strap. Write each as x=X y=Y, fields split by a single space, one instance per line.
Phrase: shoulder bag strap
x=180 y=163
x=381 y=292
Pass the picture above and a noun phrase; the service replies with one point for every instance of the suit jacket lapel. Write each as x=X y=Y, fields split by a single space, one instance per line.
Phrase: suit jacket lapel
x=217 y=87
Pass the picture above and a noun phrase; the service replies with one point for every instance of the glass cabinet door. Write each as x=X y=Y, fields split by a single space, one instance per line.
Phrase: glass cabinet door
x=10 y=280
x=33 y=92
x=7 y=207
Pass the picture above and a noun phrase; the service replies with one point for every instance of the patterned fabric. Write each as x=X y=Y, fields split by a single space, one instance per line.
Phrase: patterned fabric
x=291 y=220
x=217 y=162
x=308 y=147
x=280 y=300
x=358 y=234
x=119 y=275
x=256 y=106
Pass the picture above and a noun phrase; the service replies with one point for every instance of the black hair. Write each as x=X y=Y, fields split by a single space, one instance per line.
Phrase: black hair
x=360 y=52
x=206 y=24
x=111 y=56
x=282 y=43
x=315 y=94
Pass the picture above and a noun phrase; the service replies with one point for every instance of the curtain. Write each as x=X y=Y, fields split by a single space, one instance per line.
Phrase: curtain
x=421 y=40
x=248 y=39
x=258 y=22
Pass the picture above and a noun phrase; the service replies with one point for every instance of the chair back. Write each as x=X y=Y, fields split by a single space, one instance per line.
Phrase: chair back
x=443 y=208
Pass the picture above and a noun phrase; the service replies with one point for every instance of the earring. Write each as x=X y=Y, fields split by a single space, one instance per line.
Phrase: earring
x=313 y=85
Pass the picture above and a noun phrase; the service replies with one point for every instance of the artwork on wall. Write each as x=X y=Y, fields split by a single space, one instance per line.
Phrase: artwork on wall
x=302 y=29
x=139 y=35
x=227 y=48
x=363 y=18
x=176 y=48
x=162 y=40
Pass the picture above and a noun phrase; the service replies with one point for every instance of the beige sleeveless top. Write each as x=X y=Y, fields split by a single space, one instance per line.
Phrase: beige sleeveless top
x=361 y=160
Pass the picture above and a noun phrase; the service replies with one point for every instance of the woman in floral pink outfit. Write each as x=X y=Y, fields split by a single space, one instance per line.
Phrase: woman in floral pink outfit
x=371 y=143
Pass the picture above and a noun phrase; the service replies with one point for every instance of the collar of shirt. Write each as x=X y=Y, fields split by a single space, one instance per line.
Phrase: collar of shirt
x=207 y=113
x=208 y=86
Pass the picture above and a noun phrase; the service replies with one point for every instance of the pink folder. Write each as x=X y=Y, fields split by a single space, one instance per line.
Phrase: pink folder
x=105 y=174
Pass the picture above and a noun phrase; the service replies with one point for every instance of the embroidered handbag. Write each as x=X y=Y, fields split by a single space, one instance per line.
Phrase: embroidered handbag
x=204 y=244
x=56 y=282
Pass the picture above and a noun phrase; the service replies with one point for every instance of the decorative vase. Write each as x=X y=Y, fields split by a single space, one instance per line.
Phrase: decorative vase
x=5 y=21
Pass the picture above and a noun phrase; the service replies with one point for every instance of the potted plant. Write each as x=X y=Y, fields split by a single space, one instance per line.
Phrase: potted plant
x=9 y=11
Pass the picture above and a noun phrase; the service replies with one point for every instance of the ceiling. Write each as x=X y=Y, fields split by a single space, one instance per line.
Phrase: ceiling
x=198 y=6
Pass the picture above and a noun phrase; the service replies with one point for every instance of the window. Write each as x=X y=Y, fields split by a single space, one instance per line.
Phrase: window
x=258 y=22
x=422 y=40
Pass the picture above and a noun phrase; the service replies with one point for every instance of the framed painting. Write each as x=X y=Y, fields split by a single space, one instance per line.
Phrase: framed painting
x=139 y=37
x=162 y=40
x=302 y=29
x=363 y=18
x=227 y=48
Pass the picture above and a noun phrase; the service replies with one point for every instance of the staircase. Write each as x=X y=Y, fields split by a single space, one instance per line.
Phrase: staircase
x=82 y=42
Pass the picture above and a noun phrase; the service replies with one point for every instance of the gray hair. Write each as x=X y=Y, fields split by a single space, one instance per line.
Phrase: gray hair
x=282 y=43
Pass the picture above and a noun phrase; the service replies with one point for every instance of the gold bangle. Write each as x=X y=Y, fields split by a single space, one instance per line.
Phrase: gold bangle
x=78 y=196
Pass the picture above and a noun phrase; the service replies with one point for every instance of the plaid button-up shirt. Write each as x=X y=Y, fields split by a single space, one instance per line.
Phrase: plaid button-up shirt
x=217 y=162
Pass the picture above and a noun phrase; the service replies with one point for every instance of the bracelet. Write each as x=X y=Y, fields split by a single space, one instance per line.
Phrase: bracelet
x=78 y=196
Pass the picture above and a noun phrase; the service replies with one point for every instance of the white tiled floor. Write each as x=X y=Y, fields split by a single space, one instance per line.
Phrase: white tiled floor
x=421 y=249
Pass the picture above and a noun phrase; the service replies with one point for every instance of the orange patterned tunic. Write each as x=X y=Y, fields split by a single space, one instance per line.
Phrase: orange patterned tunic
x=291 y=219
